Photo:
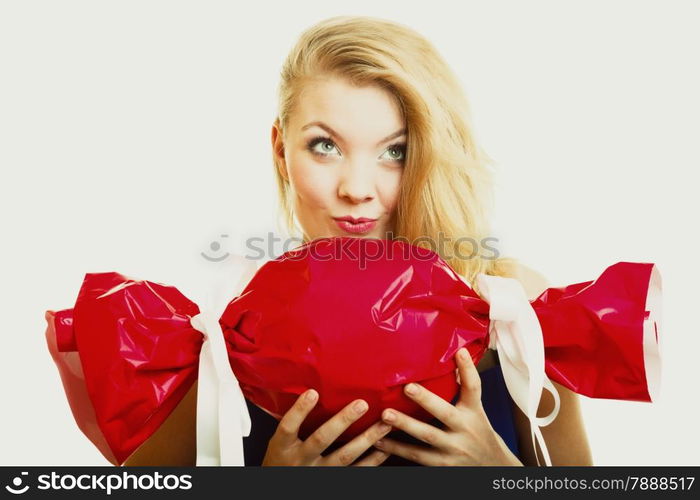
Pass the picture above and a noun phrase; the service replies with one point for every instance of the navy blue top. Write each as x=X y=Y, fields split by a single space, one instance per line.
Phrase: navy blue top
x=494 y=397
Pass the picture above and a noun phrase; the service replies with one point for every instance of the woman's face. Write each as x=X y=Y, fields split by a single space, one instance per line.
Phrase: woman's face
x=343 y=155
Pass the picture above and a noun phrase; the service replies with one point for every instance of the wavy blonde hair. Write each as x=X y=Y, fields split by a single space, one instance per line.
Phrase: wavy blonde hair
x=446 y=185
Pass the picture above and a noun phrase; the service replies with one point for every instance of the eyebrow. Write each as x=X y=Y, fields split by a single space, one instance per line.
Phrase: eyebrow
x=328 y=129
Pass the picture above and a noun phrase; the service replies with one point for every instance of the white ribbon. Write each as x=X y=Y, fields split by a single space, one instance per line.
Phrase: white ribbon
x=222 y=414
x=516 y=334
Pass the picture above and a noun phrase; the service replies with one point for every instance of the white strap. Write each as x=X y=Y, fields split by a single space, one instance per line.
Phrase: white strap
x=516 y=334
x=222 y=414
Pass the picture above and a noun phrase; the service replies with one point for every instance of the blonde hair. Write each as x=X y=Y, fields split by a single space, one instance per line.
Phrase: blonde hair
x=446 y=186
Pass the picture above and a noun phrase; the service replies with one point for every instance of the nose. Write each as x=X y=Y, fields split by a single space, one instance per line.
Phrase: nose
x=356 y=183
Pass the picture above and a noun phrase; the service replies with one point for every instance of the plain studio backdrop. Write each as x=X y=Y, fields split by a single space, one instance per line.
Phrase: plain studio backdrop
x=134 y=134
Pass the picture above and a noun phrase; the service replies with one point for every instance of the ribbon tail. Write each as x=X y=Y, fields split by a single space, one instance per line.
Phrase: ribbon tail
x=526 y=394
x=222 y=414
x=538 y=422
x=233 y=425
x=207 y=409
x=544 y=421
x=537 y=433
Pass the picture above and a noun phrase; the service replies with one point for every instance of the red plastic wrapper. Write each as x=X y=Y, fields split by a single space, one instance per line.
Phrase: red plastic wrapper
x=349 y=317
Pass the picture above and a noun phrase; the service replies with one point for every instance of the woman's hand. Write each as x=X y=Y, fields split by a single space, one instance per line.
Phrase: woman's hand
x=468 y=439
x=285 y=447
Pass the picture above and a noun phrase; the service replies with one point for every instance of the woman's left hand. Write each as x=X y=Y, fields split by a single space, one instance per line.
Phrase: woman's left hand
x=468 y=439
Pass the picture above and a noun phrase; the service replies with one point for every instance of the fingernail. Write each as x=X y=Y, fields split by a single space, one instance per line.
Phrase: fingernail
x=389 y=416
x=360 y=406
x=463 y=353
x=384 y=427
x=411 y=389
x=379 y=443
x=311 y=395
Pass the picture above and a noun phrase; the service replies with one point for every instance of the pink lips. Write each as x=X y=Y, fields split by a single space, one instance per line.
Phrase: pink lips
x=355 y=226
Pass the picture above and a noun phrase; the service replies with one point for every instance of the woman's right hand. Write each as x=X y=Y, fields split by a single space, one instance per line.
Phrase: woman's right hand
x=285 y=447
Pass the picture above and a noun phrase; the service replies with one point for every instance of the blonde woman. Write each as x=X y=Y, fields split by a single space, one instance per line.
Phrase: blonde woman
x=373 y=139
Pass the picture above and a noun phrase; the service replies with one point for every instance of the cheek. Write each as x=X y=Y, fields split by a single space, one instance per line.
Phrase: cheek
x=313 y=184
x=389 y=184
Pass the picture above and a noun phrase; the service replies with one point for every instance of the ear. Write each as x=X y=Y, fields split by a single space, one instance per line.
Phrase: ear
x=278 y=150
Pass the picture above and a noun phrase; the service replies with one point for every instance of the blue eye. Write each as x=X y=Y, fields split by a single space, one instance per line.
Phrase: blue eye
x=398 y=149
x=324 y=141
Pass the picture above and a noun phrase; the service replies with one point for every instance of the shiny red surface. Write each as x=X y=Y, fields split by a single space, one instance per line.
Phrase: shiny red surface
x=349 y=317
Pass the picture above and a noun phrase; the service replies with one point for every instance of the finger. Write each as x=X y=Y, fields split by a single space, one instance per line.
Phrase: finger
x=373 y=459
x=470 y=382
x=420 y=430
x=333 y=427
x=417 y=454
x=445 y=412
x=349 y=453
x=288 y=428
